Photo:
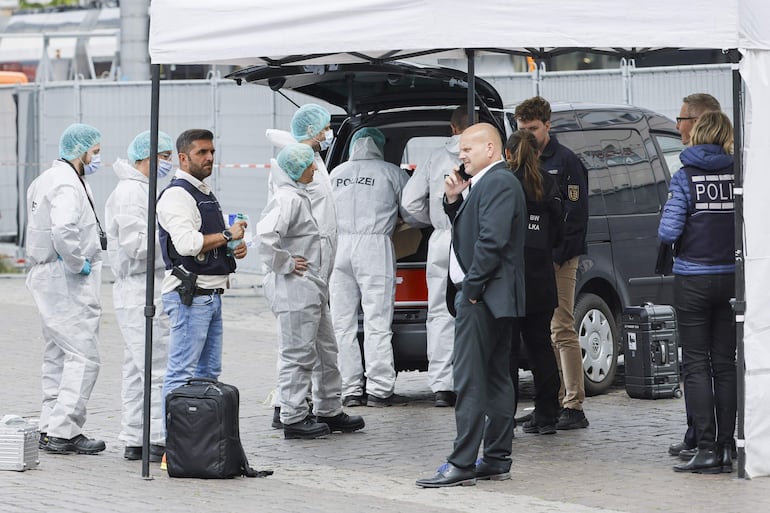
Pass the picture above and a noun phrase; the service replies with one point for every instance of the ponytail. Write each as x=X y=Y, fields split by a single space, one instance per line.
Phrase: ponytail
x=522 y=149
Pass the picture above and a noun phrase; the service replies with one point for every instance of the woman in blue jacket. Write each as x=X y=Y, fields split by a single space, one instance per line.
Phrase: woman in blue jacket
x=699 y=220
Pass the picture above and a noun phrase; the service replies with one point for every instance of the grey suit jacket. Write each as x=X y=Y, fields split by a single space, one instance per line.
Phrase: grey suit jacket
x=488 y=230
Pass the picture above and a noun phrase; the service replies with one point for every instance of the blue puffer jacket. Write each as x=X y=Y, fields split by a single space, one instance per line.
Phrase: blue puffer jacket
x=707 y=157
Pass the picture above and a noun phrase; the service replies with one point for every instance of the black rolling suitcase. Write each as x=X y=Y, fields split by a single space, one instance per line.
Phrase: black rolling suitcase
x=651 y=352
x=202 y=434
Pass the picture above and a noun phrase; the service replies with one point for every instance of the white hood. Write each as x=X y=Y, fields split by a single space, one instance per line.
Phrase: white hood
x=365 y=149
x=279 y=138
x=126 y=171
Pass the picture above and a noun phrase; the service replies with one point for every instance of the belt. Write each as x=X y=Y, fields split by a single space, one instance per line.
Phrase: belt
x=207 y=292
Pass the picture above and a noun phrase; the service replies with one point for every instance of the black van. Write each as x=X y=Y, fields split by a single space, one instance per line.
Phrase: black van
x=629 y=153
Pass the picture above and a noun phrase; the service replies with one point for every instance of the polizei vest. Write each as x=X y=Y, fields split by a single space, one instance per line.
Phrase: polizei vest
x=709 y=234
x=213 y=262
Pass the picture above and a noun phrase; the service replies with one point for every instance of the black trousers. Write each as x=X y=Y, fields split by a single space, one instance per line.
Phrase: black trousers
x=707 y=336
x=534 y=331
x=484 y=407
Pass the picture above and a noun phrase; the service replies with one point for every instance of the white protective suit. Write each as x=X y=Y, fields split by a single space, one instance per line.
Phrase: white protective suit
x=126 y=227
x=61 y=234
x=423 y=198
x=321 y=202
x=306 y=344
x=367 y=192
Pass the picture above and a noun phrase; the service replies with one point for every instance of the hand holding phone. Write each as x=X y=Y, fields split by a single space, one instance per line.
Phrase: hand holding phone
x=463 y=174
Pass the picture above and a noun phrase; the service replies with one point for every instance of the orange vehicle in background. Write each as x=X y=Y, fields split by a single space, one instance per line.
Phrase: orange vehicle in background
x=13 y=77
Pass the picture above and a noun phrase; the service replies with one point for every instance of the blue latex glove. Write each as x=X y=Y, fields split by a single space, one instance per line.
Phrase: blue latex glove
x=86 y=270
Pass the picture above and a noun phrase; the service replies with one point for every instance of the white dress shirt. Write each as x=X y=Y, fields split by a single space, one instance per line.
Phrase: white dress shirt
x=456 y=273
x=178 y=214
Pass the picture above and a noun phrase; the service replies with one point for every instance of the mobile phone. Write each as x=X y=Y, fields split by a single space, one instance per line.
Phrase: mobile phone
x=465 y=176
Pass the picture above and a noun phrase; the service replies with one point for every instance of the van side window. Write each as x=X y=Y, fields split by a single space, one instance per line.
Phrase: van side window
x=598 y=178
x=670 y=148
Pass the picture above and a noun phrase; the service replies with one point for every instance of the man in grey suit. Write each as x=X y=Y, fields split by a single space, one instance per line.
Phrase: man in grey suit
x=486 y=279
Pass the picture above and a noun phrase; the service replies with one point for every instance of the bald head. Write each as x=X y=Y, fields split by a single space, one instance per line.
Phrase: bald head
x=480 y=146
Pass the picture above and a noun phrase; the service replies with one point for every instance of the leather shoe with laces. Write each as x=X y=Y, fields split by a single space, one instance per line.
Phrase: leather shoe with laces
x=449 y=475
x=445 y=399
x=135 y=453
x=343 y=422
x=351 y=401
x=79 y=444
x=305 y=429
x=542 y=429
x=487 y=471
x=380 y=402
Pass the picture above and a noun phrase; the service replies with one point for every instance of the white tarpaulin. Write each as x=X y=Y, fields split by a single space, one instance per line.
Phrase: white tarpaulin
x=249 y=32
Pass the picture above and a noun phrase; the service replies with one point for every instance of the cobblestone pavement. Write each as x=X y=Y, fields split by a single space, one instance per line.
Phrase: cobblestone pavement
x=618 y=464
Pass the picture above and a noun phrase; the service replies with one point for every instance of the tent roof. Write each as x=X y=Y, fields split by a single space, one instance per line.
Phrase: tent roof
x=243 y=32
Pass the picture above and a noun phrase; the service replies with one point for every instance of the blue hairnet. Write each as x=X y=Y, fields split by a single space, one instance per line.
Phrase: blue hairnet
x=295 y=158
x=308 y=121
x=78 y=139
x=377 y=136
x=139 y=149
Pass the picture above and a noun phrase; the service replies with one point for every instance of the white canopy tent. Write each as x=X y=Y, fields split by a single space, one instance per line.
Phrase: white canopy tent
x=244 y=32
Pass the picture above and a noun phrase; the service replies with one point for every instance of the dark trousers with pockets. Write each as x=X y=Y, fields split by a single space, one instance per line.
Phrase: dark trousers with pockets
x=535 y=331
x=484 y=407
x=707 y=336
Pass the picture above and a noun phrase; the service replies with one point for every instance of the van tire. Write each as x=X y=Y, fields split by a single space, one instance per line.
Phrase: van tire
x=599 y=342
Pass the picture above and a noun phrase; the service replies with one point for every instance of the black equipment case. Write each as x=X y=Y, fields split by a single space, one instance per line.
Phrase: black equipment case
x=651 y=352
x=202 y=434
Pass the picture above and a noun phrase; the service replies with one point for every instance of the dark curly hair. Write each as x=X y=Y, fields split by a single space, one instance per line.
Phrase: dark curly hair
x=533 y=108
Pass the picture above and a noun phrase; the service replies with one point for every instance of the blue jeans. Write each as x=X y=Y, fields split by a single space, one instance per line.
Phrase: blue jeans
x=195 y=341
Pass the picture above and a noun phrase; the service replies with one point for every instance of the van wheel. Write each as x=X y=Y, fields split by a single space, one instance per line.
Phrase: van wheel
x=598 y=336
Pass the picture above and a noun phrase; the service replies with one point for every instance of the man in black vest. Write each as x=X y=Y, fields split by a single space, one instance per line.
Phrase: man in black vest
x=194 y=241
x=486 y=281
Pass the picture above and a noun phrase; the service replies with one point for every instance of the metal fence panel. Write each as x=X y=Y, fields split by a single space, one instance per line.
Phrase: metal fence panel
x=662 y=88
x=7 y=162
x=603 y=86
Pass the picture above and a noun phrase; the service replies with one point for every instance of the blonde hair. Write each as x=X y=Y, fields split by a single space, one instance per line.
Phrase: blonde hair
x=522 y=146
x=713 y=127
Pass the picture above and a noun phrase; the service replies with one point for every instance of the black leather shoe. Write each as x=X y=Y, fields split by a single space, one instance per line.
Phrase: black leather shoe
x=675 y=449
x=524 y=418
x=351 y=401
x=705 y=461
x=486 y=471
x=687 y=454
x=306 y=429
x=43 y=441
x=379 y=402
x=79 y=444
x=276 y=423
x=449 y=475
x=727 y=459
x=572 y=419
x=135 y=453
x=543 y=429
x=445 y=399
x=343 y=422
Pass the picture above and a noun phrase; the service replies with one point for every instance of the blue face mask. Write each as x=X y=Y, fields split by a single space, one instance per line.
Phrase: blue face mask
x=327 y=140
x=164 y=167
x=93 y=166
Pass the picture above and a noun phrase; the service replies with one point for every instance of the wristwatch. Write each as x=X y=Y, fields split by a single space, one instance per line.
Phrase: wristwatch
x=227 y=235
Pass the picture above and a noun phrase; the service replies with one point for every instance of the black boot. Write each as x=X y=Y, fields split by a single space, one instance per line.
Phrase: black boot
x=727 y=459
x=705 y=461
x=276 y=423
x=306 y=429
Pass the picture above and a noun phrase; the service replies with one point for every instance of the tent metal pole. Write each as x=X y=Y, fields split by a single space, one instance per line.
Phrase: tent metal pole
x=149 y=308
x=471 y=55
x=740 y=290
